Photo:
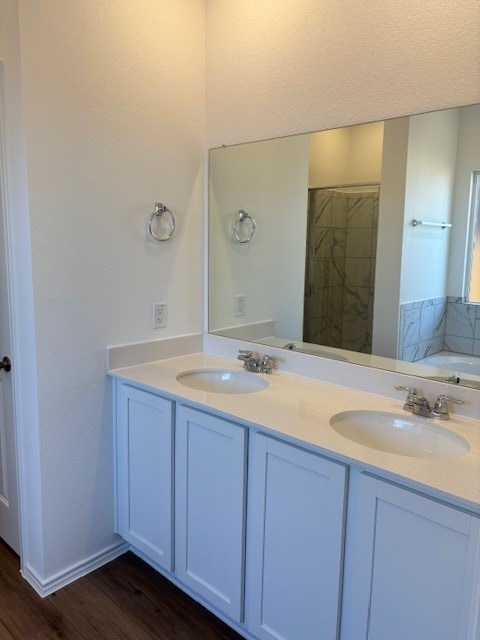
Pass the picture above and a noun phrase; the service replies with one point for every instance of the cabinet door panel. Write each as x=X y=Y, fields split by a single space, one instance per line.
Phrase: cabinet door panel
x=295 y=543
x=417 y=560
x=210 y=508
x=145 y=469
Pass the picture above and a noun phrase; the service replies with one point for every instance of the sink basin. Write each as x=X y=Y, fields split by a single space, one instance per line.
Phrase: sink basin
x=399 y=434
x=222 y=381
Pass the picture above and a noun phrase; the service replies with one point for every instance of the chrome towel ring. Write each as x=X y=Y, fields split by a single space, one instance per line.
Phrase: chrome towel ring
x=160 y=210
x=242 y=217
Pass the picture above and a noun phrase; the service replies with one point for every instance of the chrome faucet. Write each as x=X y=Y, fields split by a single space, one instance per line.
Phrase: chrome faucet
x=420 y=406
x=256 y=365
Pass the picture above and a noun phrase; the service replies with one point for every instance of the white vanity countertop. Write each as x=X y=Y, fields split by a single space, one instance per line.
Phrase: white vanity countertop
x=298 y=409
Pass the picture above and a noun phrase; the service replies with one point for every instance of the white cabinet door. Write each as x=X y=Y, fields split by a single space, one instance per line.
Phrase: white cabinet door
x=210 y=482
x=145 y=472
x=416 y=566
x=295 y=543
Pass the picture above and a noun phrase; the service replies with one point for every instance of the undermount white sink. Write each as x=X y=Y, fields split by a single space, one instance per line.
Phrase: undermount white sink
x=399 y=434
x=222 y=381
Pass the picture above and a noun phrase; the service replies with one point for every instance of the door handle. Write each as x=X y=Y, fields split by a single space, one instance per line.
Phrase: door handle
x=5 y=363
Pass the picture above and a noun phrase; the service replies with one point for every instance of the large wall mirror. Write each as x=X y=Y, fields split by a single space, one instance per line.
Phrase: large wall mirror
x=357 y=243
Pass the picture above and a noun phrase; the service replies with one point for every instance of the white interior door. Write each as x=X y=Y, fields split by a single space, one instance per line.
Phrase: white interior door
x=9 y=522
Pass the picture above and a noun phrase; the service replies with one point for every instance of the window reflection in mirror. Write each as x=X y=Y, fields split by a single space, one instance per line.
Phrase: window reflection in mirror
x=336 y=266
x=473 y=285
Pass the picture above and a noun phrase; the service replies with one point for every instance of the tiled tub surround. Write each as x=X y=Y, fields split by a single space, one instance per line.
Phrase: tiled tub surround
x=341 y=252
x=422 y=328
x=438 y=324
x=462 y=331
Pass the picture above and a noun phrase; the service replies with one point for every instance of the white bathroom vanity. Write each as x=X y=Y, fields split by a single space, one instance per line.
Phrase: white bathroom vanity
x=287 y=530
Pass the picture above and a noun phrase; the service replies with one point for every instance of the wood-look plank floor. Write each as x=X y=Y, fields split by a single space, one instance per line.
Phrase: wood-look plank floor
x=124 y=600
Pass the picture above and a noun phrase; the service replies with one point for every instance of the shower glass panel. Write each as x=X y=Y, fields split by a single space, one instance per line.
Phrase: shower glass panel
x=340 y=266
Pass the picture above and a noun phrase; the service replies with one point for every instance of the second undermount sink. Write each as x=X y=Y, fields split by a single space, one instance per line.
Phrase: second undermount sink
x=222 y=381
x=399 y=434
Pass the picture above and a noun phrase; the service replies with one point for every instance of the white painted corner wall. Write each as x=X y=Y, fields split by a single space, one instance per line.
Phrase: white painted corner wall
x=114 y=108
x=113 y=104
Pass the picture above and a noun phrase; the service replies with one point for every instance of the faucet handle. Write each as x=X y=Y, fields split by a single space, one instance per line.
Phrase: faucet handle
x=244 y=354
x=412 y=393
x=442 y=396
x=400 y=387
x=440 y=410
x=266 y=364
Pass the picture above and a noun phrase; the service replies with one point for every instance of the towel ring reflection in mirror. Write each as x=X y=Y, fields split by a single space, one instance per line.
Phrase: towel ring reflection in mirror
x=242 y=217
x=160 y=210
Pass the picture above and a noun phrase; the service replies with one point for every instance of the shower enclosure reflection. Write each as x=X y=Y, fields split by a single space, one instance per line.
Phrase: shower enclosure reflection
x=340 y=266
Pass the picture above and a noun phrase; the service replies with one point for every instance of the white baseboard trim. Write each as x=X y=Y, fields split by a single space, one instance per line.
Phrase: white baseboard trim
x=46 y=586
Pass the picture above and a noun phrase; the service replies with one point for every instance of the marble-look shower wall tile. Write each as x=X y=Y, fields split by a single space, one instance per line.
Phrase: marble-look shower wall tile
x=339 y=210
x=333 y=331
x=317 y=330
x=323 y=242
x=322 y=272
x=354 y=328
x=333 y=213
x=318 y=308
x=438 y=344
x=422 y=328
x=334 y=301
x=458 y=344
x=401 y=322
x=460 y=320
x=359 y=243
x=410 y=353
x=477 y=322
x=375 y=210
x=429 y=347
x=358 y=272
x=336 y=274
x=355 y=300
x=360 y=212
x=323 y=209
x=411 y=327
x=476 y=347
x=440 y=313
x=339 y=243
x=427 y=322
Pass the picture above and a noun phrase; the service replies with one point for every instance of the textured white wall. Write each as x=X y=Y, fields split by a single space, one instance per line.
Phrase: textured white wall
x=279 y=67
x=430 y=179
x=114 y=115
